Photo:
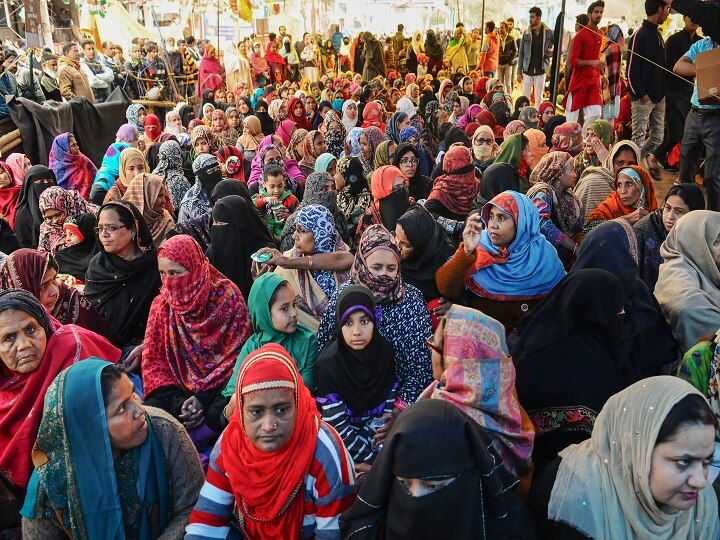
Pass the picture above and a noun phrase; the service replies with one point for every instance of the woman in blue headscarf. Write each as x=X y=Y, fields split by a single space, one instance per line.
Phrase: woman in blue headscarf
x=410 y=134
x=504 y=265
x=108 y=172
x=352 y=142
x=397 y=122
x=105 y=466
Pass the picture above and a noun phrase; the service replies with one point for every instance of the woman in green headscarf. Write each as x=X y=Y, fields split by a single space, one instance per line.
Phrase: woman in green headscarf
x=274 y=316
x=516 y=151
x=105 y=466
x=384 y=154
x=599 y=138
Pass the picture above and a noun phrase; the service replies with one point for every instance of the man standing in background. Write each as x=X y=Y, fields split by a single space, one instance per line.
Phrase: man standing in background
x=488 y=61
x=535 y=54
x=516 y=35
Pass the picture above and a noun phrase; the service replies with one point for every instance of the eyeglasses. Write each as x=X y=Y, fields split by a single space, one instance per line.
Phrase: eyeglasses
x=484 y=141
x=411 y=161
x=110 y=229
x=430 y=342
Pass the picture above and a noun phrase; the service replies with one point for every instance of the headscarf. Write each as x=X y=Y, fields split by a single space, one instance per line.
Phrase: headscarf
x=525 y=115
x=152 y=128
x=266 y=122
x=549 y=128
x=16 y=162
x=511 y=151
x=386 y=289
x=501 y=112
x=20 y=395
x=374 y=137
x=241 y=234
x=205 y=132
x=613 y=207
x=74 y=260
x=284 y=131
x=76 y=477
x=269 y=485
x=372 y=115
x=296 y=141
x=109 y=169
x=382 y=154
x=620 y=449
x=71 y=171
x=434 y=439
x=431 y=250
x=28 y=216
x=536 y=142
x=352 y=171
x=477 y=364
x=348 y=122
x=568 y=137
x=133 y=113
x=544 y=106
x=390 y=203
x=69 y=203
x=457 y=187
x=148 y=194
x=323 y=162
x=309 y=153
x=497 y=178
x=252 y=133
x=353 y=140
x=335 y=133
x=526 y=268
x=302 y=120
x=405 y=104
x=392 y=133
x=604 y=130
x=9 y=196
x=172 y=130
x=170 y=168
x=126 y=156
x=197 y=324
x=469 y=116
x=484 y=152
x=362 y=379
x=274 y=110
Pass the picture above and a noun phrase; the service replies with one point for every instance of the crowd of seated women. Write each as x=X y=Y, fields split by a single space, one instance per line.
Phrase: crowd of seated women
x=431 y=322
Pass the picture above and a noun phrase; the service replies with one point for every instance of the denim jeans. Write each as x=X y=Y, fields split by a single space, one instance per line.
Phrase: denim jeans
x=504 y=73
x=646 y=115
x=702 y=131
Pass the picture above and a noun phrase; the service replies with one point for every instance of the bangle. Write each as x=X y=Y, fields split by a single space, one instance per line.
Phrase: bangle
x=309 y=262
x=224 y=413
x=575 y=249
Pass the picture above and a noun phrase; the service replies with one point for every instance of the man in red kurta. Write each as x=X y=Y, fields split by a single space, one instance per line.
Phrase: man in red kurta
x=584 y=89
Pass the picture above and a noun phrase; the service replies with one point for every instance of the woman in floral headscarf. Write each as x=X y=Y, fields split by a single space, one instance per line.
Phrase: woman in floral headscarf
x=312 y=146
x=568 y=138
x=149 y=195
x=57 y=204
x=354 y=195
x=73 y=170
x=369 y=140
x=222 y=130
x=372 y=116
x=599 y=138
x=171 y=170
x=335 y=133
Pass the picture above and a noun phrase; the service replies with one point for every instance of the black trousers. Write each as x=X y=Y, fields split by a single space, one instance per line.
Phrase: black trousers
x=677 y=107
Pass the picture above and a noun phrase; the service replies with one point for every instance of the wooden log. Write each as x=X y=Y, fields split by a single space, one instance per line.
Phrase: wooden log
x=14 y=134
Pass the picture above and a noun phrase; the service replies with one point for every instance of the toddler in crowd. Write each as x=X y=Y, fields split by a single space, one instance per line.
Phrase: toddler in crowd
x=274 y=201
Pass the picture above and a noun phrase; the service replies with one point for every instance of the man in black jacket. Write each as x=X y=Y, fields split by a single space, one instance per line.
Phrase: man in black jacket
x=646 y=81
x=701 y=10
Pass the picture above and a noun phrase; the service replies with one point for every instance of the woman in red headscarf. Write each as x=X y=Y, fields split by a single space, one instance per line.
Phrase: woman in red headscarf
x=209 y=66
x=372 y=116
x=390 y=190
x=285 y=470
x=196 y=328
x=276 y=63
x=9 y=193
x=453 y=193
x=153 y=130
x=297 y=113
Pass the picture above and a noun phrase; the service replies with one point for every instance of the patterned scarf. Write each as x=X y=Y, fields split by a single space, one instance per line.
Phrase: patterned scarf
x=386 y=289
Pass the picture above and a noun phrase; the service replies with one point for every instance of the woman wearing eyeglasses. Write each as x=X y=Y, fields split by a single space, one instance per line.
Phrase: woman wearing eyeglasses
x=484 y=148
x=407 y=159
x=122 y=278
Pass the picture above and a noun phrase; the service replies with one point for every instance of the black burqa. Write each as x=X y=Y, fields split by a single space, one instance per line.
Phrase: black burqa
x=648 y=346
x=121 y=290
x=28 y=216
x=362 y=379
x=431 y=250
x=433 y=439
x=419 y=185
x=235 y=235
x=267 y=124
x=567 y=361
x=497 y=178
x=74 y=260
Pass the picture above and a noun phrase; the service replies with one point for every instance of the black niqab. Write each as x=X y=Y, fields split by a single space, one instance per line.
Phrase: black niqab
x=28 y=216
x=74 y=260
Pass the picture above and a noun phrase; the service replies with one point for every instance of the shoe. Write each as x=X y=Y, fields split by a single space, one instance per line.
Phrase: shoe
x=652 y=167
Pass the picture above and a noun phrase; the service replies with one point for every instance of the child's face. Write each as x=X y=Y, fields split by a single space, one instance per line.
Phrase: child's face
x=71 y=239
x=284 y=311
x=274 y=186
x=357 y=330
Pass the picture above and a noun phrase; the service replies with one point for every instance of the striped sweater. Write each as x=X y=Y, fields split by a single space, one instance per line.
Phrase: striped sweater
x=329 y=491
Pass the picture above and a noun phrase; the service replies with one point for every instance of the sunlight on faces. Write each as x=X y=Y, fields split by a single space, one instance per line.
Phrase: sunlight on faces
x=679 y=467
x=274 y=185
x=627 y=190
x=674 y=209
x=126 y=423
x=501 y=227
x=284 y=310
x=383 y=262
x=22 y=341
x=113 y=235
x=269 y=418
x=170 y=268
x=304 y=240
x=357 y=330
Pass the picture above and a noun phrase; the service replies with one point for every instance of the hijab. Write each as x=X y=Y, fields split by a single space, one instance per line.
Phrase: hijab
x=152 y=127
x=133 y=116
x=372 y=116
x=252 y=133
x=457 y=187
x=419 y=186
x=613 y=207
x=266 y=122
x=525 y=115
x=284 y=131
x=382 y=154
x=16 y=162
x=10 y=195
x=526 y=268
x=170 y=168
x=567 y=137
x=513 y=127
x=392 y=131
x=536 y=142
x=549 y=128
x=205 y=132
x=241 y=234
x=126 y=156
x=74 y=260
x=497 y=178
x=148 y=194
x=619 y=449
x=386 y=289
x=374 y=137
x=197 y=324
x=484 y=152
x=390 y=203
x=72 y=171
x=362 y=379
x=269 y=486
x=334 y=133
x=431 y=250
x=348 y=122
x=69 y=203
x=28 y=216
x=605 y=132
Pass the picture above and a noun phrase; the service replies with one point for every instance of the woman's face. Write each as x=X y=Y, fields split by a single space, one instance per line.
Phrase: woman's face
x=627 y=190
x=269 y=418
x=443 y=116
x=351 y=111
x=409 y=164
x=332 y=168
x=22 y=341
x=674 y=209
x=310 y=104
x=357 y=78
x=283 y=311
x=382 y=262
x=271 y=155
x=365 y=149
x=202 y=146
x=134 y=167
x=49 y=291
x=233 y=119
x=170 y=268
x=304 y=240
x=457 y=109
x=298 y=110
x=243 y=107
x=548 y=114
x=71 y=239
x=590 y=138
x=568 y=177
x=218 y=123
x=679 y=467
x=405 y=123
x=175 y=121
x=319 y=144
x=419 y=487
x=406 y=248
x=501 y=227
x=467 y=86
x=219 y=96
x=622 y=159
x=51 y=214
x=74 y=148
x=357 y=330
x=113 y=235
x=142 y=113
x=125 y=415
x=5 y=180
x=415 y=93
